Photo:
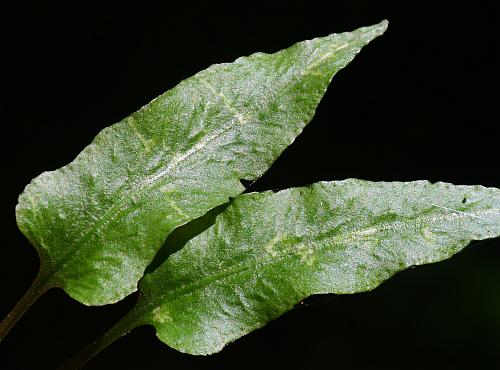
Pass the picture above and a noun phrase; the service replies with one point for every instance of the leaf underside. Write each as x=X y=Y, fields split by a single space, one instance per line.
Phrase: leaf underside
x=268 y=251
x=98 y=222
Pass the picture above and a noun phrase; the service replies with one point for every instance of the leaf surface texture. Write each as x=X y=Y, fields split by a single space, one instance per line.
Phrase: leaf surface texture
x=98 y=222
x=268 y=251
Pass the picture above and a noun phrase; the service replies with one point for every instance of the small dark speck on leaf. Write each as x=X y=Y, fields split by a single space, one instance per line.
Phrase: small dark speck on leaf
x=246 y=183
x=464 y=200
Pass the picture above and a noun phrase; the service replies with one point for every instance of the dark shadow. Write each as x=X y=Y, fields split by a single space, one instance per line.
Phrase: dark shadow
x=246 y=183
x=180 y=236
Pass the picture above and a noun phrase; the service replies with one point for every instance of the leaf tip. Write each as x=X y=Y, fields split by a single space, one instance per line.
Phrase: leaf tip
x=384 y=24
x=377 y=29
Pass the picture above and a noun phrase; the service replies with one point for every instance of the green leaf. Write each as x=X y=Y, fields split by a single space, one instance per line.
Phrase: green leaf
x=99 y=221
x=268 y=251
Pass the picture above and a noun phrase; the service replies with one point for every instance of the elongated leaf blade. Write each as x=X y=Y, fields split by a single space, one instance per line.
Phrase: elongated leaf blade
x=98 y=222
x=268 y=251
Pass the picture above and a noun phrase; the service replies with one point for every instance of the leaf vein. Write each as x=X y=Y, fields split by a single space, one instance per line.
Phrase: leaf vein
x=334 y=240
x=112 y=212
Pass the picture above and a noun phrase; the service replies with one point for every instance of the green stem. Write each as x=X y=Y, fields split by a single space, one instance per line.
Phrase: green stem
x=40 y=285
x=121 y=328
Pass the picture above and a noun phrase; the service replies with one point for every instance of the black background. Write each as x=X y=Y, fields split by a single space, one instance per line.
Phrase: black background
x=420 y=102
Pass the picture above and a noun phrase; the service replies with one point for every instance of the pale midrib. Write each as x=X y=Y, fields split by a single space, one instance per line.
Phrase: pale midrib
x=121 y=205
x=111 y=213
x=151 y=180
x=416 y=222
